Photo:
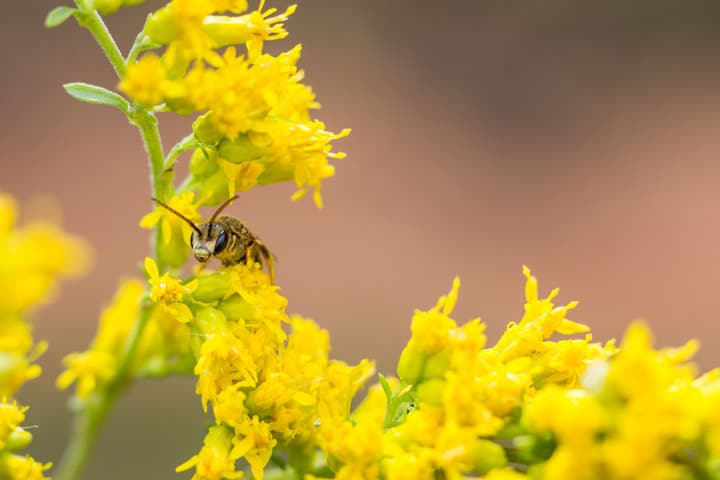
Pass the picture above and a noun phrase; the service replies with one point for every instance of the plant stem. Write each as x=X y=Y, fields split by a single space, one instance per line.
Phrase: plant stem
x=92 y=20
x=87 y=423
x=90 y=417
x=160 y=177
x=86 y=426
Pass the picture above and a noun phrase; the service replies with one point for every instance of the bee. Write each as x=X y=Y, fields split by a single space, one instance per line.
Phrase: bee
x=225 y=238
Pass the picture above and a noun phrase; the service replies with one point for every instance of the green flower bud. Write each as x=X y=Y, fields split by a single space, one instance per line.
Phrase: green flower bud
x=161 y=27
x=431 y=391
x=224 y=30
x=236 y=308
x=203 y=163
x=212 y=189
x=487 y=455
x=210 y=319
x=18 y=439
x=276 y=173
x=437 y=364
x=205 y=131
x=106 y=7
x=410 y=365
x=174 y=253
x=240 y=150
x=533 y=448
x=212 y=287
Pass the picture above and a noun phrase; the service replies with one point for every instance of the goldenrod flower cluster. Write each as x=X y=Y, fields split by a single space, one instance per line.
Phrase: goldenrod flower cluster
x=530 y=406
x=255 y=126
x=32 y=260
x=544 y=402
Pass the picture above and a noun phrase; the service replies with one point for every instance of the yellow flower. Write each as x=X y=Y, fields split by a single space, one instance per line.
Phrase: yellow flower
x=224 y=362
x=117 y=320
x=16 y=366
x=541 y=320
x=16 y=467
x=254 y=441
x=90 y=369
x=573 y=415
x=252 y=29
x=241 y=177
x=431 y=330
x=167 y=292
x=146 y=82
x=215 y=460
x=33 y=258
x=171 y=224
x=11 y=416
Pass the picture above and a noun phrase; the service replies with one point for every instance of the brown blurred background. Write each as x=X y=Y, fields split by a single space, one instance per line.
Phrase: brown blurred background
x=579 y=138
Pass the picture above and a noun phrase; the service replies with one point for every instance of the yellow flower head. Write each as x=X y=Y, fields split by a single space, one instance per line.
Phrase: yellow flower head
x=11 y=416
x=254 y=441
x=215 y=460
x=431 y=330
x=90 y=369
x=166 y=289
x=146 y=82
x=17 y=467
x=33 y=258
x=171 y=224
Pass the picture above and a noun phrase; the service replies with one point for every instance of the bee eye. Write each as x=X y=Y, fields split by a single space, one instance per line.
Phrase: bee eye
x=192 y=239
x=220 y=243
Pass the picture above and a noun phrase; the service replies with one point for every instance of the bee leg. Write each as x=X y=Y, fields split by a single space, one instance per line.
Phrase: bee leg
x=258 y=252
x=268 y=258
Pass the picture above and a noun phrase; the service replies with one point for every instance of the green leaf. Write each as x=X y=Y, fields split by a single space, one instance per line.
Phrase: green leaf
x=385 y=386
x=98 y=95
x=58 y=15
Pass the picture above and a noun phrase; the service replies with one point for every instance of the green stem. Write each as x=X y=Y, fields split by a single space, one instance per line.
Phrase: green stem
x=87 y=423
x=187 y=143
x=92 y=20
x=89 y=419
x=86 y=426
x=160 y=177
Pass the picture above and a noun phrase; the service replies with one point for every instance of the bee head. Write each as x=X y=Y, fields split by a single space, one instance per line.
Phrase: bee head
x=210 y=239
x=207 y=239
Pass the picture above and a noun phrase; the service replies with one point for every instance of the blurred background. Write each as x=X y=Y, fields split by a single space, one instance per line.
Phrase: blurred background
x=578 y=138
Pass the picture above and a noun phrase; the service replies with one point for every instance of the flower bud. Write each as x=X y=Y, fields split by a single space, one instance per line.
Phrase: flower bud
x=106 y=7
x=214 y=188
x=410 y=365
x=173 y=253
x=236 y=308
x=240 y=150
x=161 y=26
x=212 y=287
x=18 y=439
x=205 y=131
x=487 y=455
x=210 y=320
x=203 y=163
x=437 y=364
x=431 y=391
x=224 y=30
x=276 y=173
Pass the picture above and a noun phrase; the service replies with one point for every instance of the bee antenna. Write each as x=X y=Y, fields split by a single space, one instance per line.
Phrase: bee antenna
x=222 y=207
x=169 y=208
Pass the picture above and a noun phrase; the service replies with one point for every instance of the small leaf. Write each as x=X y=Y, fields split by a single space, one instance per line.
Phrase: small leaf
x=98 y=95
x=58 y=15
x=385 y=386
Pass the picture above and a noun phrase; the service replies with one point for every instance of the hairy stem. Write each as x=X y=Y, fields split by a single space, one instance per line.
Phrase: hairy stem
x=91 y=415
x=91 y=20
